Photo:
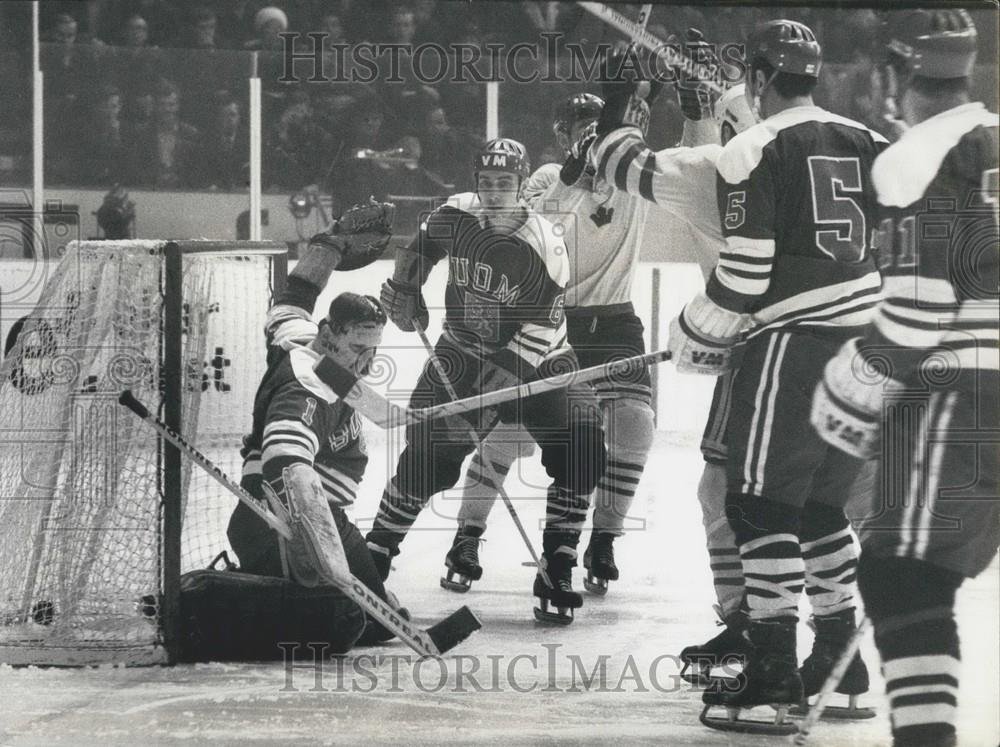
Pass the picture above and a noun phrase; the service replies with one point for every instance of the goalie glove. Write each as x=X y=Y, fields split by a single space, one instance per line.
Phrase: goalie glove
x=847 y=403
x=404 y=304
x=364 y=231
x=697 y=97
x=702 y=337
x=627 y=90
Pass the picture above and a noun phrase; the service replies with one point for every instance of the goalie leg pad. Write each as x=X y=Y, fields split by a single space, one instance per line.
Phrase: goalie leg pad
x=315 y=554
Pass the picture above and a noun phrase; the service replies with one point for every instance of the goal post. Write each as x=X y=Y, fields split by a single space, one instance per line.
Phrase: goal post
x=98 y=517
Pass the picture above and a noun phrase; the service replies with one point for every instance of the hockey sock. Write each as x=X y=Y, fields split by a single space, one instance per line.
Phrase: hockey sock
x=566 y=512
x=396 y=514
x=629 y=435
x=912 y=606
x=767 y=533
x=724 y=555
x=831 y=558
x=480 y=491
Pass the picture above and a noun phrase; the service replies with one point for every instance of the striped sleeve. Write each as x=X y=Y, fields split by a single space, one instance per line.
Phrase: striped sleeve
x=289 y=325
x=291 y=429
x=534 y=341
x=747 y=214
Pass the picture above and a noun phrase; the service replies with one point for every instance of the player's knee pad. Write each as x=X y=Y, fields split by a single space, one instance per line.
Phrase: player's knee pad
x=580 y=466
x=629 y=428
x=753 y=516
x=911 y=604
x=821 y=520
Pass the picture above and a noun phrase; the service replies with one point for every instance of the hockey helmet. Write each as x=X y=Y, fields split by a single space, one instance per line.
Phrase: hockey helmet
x=503 y=154
x=733 y=109
x=353 y=308
x=578 y=107
x=787 y=46
x=933 y=43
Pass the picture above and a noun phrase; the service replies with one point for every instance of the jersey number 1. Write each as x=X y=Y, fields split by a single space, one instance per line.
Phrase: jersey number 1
x=835 y=183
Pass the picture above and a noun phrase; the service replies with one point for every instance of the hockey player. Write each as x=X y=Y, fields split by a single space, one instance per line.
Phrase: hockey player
x=503 y=315
x=925 y=370
x=603 y=229
x=797 y=207
x=306 y=449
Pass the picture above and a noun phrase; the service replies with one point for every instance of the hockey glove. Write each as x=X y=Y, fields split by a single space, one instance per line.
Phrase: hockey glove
x=696 y=96
x=628 y=90
x=365 y=231
x=576 y=166
x=404 y=304
x=847 y=403
x=702 y=337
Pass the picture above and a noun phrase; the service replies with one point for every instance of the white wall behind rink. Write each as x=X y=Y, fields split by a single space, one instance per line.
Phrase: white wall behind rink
x=682 y=400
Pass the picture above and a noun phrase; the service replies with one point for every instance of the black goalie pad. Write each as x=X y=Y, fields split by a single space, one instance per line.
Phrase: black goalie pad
x=233 y=616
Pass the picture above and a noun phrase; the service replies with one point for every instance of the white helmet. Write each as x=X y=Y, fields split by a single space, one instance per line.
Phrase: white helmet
x=733 y=108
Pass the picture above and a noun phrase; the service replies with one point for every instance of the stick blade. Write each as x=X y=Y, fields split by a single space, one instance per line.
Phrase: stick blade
x=455 y=628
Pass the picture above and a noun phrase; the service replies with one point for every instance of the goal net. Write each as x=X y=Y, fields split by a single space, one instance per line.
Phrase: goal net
x=98 y=517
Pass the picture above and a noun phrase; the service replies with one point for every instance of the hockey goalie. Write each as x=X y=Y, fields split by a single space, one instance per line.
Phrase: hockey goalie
x=305 y=457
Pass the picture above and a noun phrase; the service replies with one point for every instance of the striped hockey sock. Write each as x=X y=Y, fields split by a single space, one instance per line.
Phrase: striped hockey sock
x=920 y=664
x=775 y=575
x=396 y=514
x=565 y=510
x=831 y=564
x=614 y=495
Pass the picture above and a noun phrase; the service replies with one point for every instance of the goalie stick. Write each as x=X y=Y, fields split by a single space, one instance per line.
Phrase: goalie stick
x=434 y=641
x=387 y=414
x=671 y=55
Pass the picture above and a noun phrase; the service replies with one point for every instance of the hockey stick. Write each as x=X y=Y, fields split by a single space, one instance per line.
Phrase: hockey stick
x=386 y=414
x=670 y=55
x=836 y=675
x=436 y=640
x=483 y=457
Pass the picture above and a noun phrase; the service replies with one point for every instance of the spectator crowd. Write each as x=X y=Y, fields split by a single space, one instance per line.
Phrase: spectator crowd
x=152 y=93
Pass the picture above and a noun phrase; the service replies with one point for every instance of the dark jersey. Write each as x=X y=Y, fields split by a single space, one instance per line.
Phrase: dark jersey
x=937 y=191
x=505 y=290
x=296 y=417
x=798 y=213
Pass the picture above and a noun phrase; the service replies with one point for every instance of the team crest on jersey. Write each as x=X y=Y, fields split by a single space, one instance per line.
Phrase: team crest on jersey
x=342 y=437
x=482 y=316
x=602 y=216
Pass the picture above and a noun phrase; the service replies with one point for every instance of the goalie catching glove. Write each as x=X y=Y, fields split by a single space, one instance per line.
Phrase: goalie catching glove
x=360 y=235
x=847 y=404
x=404 y=304
x=702 y=337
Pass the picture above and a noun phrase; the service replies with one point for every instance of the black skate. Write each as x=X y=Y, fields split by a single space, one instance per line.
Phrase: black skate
x=463 y=560
x=728 y=650
x=770 y=678
x=599 y=560
x=559 y=568
x=833 y=633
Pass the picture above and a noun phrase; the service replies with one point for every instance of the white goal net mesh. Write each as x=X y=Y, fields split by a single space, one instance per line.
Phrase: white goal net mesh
x=81 y=477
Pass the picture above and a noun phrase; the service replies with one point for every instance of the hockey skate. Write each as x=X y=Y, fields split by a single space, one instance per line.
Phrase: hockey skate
x=770 y=678
x=728 y=649
x=833 y=633
x=599 y=560
x=462 y=560
x=559 y=566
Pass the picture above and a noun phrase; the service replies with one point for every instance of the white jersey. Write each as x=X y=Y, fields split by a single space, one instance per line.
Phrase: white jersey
x=679 y=180
x=602 y=228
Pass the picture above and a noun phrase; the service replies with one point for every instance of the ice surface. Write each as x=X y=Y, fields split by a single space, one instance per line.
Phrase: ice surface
x=662 y=604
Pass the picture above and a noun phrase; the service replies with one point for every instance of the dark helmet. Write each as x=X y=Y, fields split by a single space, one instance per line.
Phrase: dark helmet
x=788 y=47
x=503 y=154
x=933 y=43
x=577 y=107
